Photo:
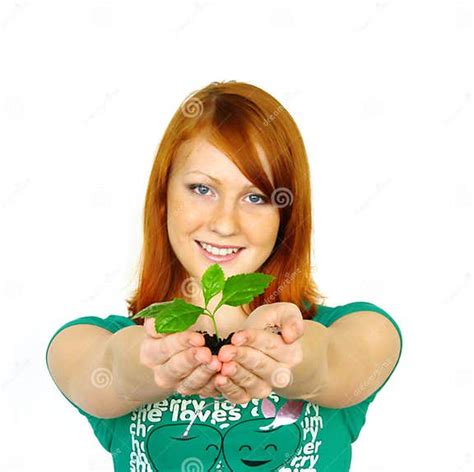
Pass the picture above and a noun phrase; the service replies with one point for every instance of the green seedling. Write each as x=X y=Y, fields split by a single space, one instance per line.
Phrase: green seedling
x=178 y=315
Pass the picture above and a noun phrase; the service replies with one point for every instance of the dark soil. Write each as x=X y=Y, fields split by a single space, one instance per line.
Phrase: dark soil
x=213 y=343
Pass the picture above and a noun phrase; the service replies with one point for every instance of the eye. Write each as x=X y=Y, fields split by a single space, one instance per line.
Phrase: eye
x=263 y=198
x=192 y=187
x=271 y=445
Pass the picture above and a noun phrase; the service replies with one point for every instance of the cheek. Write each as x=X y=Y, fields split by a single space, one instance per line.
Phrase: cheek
x=262 y=229
x=181 y=209
x=184 y=217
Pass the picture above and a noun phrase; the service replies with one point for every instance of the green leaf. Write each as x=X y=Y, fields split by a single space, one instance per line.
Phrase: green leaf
x=243 y=288
x=171 y=317
x=150 y=311
x=212 y=282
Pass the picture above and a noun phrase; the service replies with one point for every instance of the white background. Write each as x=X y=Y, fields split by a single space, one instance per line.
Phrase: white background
x=382 y=94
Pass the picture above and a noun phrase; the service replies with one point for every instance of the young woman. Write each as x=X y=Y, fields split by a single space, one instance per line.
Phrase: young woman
x=230 y=184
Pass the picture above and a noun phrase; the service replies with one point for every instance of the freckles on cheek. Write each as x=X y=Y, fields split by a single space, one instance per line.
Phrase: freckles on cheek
x=182 y=209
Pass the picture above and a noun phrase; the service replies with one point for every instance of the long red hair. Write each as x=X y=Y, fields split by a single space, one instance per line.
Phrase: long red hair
x=233 y=116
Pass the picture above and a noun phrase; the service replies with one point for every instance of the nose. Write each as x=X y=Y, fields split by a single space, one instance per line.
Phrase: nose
x=224 y=218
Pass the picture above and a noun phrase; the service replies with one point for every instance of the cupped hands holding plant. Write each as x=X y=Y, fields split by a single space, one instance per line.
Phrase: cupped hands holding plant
x=247 y=364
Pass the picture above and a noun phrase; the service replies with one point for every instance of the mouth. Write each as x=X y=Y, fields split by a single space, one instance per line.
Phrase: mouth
x=218 y=257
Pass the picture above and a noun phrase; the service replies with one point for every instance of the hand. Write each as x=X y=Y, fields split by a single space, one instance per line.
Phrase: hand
x=264 y=361
x=177 y=364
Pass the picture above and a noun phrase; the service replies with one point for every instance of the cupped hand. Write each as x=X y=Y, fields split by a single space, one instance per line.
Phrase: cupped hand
x=180 y=361
x=259 y=360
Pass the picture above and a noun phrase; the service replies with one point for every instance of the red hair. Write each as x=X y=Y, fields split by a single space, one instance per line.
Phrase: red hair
x=233 y=116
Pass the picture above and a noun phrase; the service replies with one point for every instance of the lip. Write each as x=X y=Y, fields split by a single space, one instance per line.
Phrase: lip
x=220 y=246
x=214 y=258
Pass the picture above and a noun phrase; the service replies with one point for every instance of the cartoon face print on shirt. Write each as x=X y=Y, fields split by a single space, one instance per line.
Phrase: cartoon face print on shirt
x=168 y=447
x=258 y=444
x=248 y=447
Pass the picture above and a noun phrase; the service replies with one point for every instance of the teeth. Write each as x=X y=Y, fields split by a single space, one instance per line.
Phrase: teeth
x=216 y=251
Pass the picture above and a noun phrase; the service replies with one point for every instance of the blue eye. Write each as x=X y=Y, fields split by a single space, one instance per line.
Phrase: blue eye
x=193 y=186
x=263 y=198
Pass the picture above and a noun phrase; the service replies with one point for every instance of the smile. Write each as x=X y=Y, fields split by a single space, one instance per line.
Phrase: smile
x=218 y=255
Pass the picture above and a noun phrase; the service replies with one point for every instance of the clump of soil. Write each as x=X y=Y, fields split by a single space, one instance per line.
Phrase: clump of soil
x=213 y=343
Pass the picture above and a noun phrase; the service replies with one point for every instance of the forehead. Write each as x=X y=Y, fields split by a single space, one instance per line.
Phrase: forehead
x=200 y=154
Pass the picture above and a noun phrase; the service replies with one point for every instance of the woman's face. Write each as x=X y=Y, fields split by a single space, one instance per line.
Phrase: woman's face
x=226 y=211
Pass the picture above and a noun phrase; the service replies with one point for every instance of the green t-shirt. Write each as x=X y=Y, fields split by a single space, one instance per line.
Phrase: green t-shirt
x=186 y=432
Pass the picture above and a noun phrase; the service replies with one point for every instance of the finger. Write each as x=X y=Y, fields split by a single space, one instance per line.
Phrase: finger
x=255 y=386
x=256 y=363
x=290 y=321
x=149 y=325
x=200 y=377
x=230 y=390
x=209 y=391
x=159 y=351
x=269 y=343
x=171 y=373
x=292 y=330
x=284 y=315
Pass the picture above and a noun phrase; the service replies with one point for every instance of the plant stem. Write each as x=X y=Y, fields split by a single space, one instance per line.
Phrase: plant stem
x=213 y=321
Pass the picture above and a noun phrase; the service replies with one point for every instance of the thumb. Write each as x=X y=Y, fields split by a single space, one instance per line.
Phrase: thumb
x=290 y=321
x=149 y=325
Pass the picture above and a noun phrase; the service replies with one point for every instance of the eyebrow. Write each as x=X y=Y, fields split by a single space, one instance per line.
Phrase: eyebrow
x=215 y=179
